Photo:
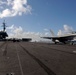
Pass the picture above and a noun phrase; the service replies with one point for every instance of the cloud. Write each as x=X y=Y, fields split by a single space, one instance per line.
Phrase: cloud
x=11 y=27
x=14 y=7
x=18 y=32
x=1 y=2
x=46 y=30
x=66 y=30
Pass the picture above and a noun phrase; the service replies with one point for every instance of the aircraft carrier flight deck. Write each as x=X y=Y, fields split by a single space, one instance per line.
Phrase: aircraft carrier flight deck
x=29 y=58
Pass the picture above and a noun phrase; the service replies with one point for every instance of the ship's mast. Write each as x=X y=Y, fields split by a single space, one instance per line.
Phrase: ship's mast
x=4 y=26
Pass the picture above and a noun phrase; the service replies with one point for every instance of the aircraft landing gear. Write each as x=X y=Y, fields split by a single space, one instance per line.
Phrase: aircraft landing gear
x=72 y=43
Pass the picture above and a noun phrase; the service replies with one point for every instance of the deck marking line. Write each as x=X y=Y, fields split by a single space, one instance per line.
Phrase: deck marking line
x=74 y=51
x=19 y=62
x=49 y=72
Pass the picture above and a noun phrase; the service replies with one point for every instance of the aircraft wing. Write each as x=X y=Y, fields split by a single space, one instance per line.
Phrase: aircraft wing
x=61 y=38
x=69 y=37
x=50 y=37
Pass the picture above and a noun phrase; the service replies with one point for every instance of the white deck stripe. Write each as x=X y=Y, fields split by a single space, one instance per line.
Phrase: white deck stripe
x=19 y=61
x=74 y=51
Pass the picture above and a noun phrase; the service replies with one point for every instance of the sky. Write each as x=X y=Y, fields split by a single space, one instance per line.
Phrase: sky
x=35 y=18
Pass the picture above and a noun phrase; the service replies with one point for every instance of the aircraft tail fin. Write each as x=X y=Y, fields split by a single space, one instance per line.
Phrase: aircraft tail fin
x=52 y=33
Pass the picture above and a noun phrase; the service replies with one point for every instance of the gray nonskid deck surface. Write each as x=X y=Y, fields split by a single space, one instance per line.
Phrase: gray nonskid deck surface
x=25 y=58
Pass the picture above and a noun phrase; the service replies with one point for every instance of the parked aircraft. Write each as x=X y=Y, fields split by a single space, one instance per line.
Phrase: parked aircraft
x=64 y=39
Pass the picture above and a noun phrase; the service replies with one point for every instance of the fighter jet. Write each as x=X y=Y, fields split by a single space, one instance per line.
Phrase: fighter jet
x=64 y=39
